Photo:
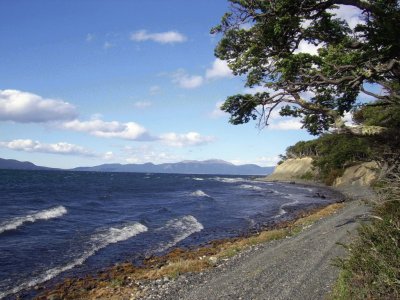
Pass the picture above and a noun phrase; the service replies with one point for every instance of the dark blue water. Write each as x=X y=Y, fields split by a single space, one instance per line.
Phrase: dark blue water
x=55 y=224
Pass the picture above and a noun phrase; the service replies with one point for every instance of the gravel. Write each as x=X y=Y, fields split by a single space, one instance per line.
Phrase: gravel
x=297 y=267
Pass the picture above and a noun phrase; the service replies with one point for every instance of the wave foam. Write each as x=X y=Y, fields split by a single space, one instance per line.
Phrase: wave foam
x=198 y=179
x=282 y=210
x=99 y=241
x=199 y=193
x=250 y=187
x=179 y=229
x=229 y=180
x=41 y=215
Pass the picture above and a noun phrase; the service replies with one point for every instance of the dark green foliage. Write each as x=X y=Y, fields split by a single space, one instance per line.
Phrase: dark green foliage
x=260 y=39
x=332 y=153
x=242 y=107
x=309 y=176
x=378 y=114
x=336 y=152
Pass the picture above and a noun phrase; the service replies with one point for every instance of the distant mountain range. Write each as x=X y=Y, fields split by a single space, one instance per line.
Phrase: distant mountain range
x=13 y=164
x=212 y=166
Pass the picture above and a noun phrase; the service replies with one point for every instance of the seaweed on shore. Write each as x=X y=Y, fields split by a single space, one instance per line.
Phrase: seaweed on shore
x=127 y=281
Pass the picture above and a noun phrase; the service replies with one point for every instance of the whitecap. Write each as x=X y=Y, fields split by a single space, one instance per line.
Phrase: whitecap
x=229 y=180
x=98 y=241
x=250 y=187
x=290 y=203
x=199 y=193
x=198 y=179
x=179 y=229
x=46 y=214
x=282 y=210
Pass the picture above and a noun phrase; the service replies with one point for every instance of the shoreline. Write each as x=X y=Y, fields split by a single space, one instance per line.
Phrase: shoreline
x=348 y=192
x=127 y=281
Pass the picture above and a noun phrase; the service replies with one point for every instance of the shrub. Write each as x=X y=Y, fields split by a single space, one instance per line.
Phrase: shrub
x=372 y=270
x=332 y=153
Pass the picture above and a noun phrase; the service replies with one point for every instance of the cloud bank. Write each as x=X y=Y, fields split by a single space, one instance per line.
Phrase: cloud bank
x=113 y=129
x=26 y=107
x=28 y=145
x=23 y=107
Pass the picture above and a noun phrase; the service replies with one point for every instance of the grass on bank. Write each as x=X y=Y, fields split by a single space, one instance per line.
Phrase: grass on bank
x=372 y=269
x=119 y=281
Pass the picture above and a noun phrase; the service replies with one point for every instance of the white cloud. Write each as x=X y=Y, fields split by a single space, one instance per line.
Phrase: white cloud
x=113 y=129
x=142 y=104
x=305 y=47
x=351 y=14
x=307 y=95
x=217 y=112
x=183 y=80
x=154 y=90
x=219 y=69
x=26 y=107
x=186 y=139
x=167 y=37
x=109 y=155
x=35 y=146
x=348 y=119
x=290 y=124
x=267 y=161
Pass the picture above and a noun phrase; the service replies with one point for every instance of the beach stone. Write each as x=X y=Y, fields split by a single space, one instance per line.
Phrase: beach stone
x=213 y=260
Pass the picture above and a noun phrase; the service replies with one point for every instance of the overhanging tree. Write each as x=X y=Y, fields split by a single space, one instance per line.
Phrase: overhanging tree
x=260 y=39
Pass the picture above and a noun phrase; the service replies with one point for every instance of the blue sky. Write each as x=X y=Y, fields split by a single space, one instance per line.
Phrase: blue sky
x=91 y=82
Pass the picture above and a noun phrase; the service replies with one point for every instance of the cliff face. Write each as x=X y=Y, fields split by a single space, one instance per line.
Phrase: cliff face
x=293 y=169
x=360 y=175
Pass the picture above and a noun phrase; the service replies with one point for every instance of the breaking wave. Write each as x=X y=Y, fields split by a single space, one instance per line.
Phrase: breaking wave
x=199 y=193
x=198 y=179
x=97 y=242
x=229 y=180
x=46 y=214
x=250 y=187
x=179 y=229
x=282 y=210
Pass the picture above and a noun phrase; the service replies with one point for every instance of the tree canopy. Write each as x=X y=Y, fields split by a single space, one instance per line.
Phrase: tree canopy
x=261 y=38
